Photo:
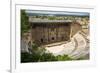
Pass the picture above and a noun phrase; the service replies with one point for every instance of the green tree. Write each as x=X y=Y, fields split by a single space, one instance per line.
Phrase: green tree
x=24 y=22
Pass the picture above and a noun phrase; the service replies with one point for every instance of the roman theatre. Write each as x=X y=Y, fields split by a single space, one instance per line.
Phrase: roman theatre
x=57 y=36
x=45 y=32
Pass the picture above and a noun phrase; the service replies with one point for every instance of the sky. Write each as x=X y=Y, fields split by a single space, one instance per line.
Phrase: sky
x=56 y=13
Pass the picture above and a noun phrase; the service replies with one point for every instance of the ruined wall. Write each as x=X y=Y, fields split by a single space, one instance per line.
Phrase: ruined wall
x=75 y=27
x=26 y=42
x=46 y=33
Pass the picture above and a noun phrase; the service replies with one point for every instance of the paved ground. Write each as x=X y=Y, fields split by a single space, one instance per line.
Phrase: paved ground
x=76 y=48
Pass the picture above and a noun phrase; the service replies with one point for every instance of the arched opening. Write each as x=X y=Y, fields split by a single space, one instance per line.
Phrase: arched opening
x=41 y=40
x=52 y=38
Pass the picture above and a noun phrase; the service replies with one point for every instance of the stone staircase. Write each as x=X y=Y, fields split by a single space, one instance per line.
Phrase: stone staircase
x=83 y=46
x=76 y=48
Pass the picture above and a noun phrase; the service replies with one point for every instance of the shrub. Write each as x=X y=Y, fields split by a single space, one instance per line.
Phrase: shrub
x=26 y=57
x=63 y=58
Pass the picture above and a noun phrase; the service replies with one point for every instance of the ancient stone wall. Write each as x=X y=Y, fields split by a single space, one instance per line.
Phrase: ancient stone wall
x=75 y=27
x=45 y=33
